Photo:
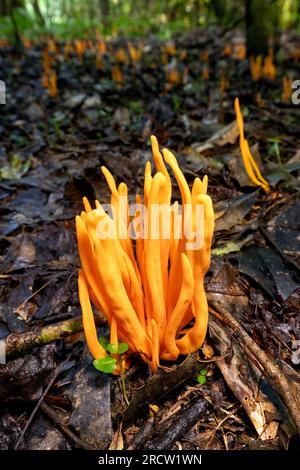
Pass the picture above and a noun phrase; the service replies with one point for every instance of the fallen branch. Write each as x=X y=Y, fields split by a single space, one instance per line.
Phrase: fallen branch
x=285 y=388
x=19 y=344
x=157 y=387
x=55 y=418
x=61 y=368
x=182 y=422
x=143 y=435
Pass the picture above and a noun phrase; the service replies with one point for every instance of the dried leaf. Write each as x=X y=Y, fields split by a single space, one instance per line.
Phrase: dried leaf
x=117 y=443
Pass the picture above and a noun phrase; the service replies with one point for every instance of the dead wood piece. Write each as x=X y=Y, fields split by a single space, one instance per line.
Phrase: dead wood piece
x=59 y=422
x=182 y=422
x=143 y=435
x=157 y=387
x=248 y=383
x=287 y=390
x=22 y=379
x=61 y=368
x=19 y=344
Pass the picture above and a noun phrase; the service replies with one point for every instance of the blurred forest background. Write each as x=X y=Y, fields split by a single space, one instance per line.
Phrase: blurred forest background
x=67 y=19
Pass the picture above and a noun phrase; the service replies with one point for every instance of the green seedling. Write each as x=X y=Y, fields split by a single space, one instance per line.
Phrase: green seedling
x=201 y=378
x=110 y=363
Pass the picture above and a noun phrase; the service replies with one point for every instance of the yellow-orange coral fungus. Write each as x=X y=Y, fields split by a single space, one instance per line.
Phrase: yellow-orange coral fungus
x=80 y=49
x=183 y=54
x=204 y=56
x=260 y=67
x=68 y=48
x=101 y=46
x=121 y=56
x=100 y=64
x=4 y=42
x=250 y=164
x=26 y=42
x=151 y=291
x=224 y=84
x=287 y=89
x=52 y=47
x=135 y=52
x=256 y=67
x=52 y=85
x=172 y=74
x=269 y=68
x=295 y=55
x=88 y=319
x=205 y=72
x=164 y=57
x=259 y=100
x=227 y=51
x=170 y=48
x=240 y=52
x=47 y=62
x=117 y=74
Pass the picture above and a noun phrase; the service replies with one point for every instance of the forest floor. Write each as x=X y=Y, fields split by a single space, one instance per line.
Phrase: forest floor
x=51 y=151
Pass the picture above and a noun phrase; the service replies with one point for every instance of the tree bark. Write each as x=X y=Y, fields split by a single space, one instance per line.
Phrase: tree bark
x=17 y=37
x=104 y=9
x=38 y=12
x=197 y=11
x=3 y=8
x=260 y=25
x=220 y=8
x=7 y=6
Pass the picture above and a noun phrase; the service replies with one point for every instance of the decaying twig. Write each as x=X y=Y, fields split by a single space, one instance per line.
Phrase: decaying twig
x=51 y=414
x=143 y=435
x=53 y=377
x=20 y=344
x=286 y=389
x=158 y=386
x=184 y=420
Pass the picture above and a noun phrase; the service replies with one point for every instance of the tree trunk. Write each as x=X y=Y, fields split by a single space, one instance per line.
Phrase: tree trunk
x=3 y=8
x=17 y=37
x=220 y=9
x=38 y=13
x=197 y=11
x=91 y=10
x=260 y=25
x=104 y=12
x=7 y=6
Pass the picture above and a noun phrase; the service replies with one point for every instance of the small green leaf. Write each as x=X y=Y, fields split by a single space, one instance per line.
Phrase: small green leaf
x=112 y=348
x=106 y=364
x=104 y=342
x=123 y=348
x=201 y=379
x=203 y=372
